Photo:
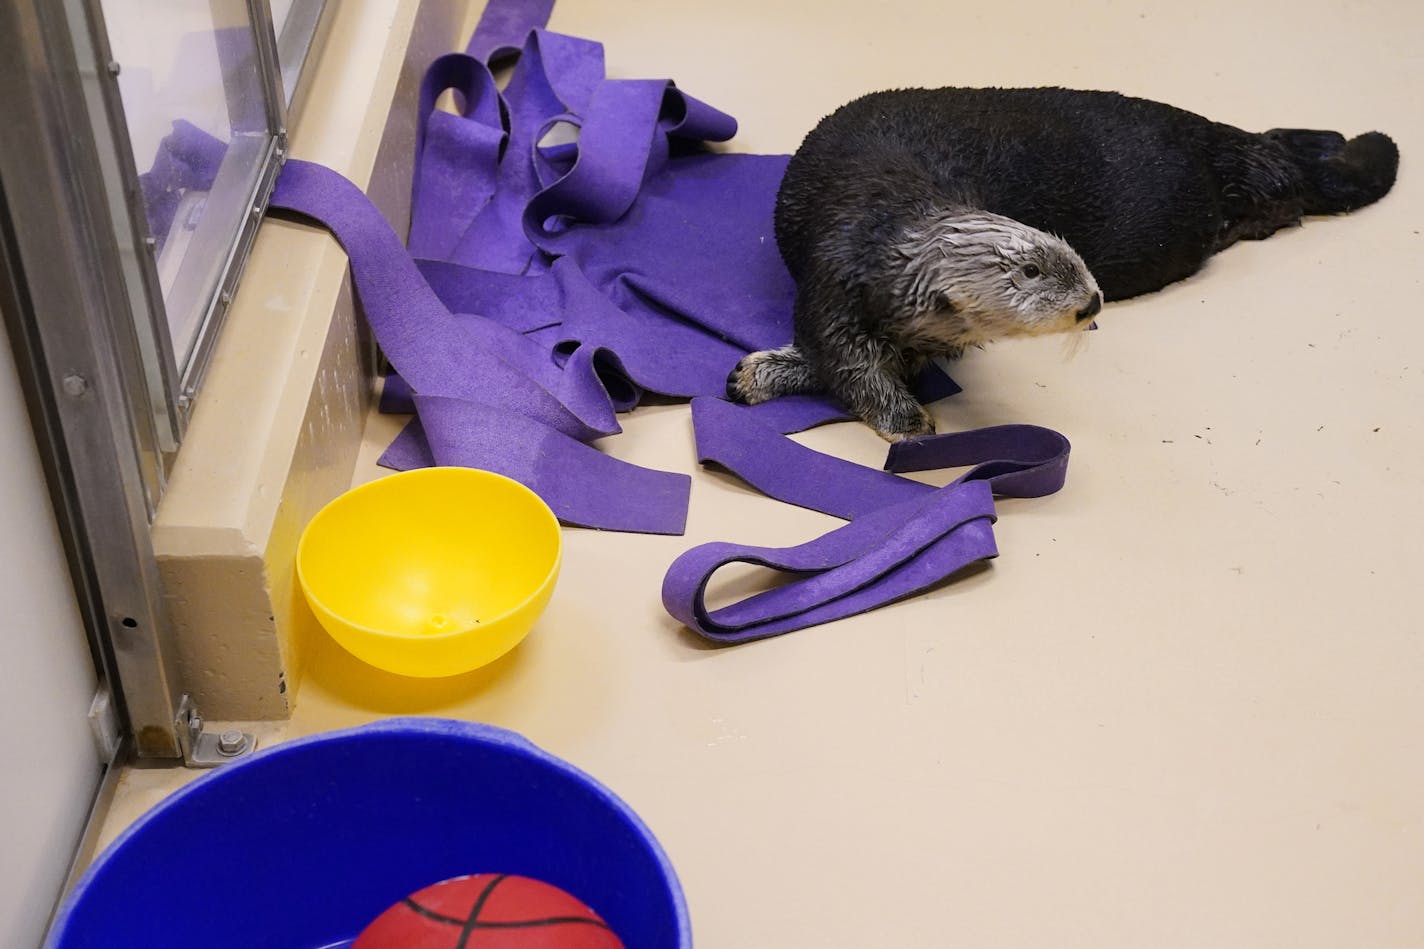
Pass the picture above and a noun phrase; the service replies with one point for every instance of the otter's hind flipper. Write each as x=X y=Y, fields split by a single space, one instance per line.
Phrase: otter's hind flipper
x=1339 y=175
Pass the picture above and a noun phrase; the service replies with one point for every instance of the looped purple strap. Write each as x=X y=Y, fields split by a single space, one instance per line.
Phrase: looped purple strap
x=454 y=175
x=623 y=139
x=874 y=560
x=615 y=146
x=904 y=537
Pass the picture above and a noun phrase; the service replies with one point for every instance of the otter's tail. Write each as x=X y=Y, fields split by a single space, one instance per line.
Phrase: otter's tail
x=1339 y=175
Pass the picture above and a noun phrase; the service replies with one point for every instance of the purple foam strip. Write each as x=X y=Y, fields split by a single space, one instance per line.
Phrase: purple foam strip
x=551 y=336
x=504 y=24
x=424 y=344
x=575 y=386
x=624 y=136
x=592 y=382
x=692 y=119
x=1021 y=461
x=623 y=139
x=615 y=147
x=904 y=536
x=554 y=75
x=456 y=156
x=933 y=384
x=397 y=397
x=410 y=449
x=553 y=161
x=582 y=485
x=875 y=560
x=698 y=243
x=523 y=304
x=901 y=533
x=797 y=413
x=590 y=370
x=573 y=66
x=664 y=355
x=596 y=370
x=731 y=437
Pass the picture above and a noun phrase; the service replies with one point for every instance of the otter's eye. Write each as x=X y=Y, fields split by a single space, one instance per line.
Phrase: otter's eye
x=1031 y=270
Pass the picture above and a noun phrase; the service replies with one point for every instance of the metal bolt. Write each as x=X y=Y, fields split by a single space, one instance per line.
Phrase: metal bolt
x=150 y=242
x=195 y=723
x=226 y=297
x=257 y=210
x=113 y=67
x=74 y=385
x=232 y=742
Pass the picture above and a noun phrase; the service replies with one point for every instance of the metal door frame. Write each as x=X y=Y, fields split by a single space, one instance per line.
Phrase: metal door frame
x=68 y=313
x=85 y=314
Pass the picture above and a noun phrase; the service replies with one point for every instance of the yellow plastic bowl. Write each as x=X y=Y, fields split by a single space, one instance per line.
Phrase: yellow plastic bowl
x=431 y=572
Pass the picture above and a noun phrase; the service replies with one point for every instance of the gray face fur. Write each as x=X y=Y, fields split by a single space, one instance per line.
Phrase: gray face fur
x=974 y=277
x=953 y=279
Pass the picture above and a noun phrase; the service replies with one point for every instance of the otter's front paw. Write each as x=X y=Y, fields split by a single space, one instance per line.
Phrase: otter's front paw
x=769 y=374
x=903 y=423
x=741 y=384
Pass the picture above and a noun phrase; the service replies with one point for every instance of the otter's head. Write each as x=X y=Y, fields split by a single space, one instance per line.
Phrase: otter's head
x=975 y=277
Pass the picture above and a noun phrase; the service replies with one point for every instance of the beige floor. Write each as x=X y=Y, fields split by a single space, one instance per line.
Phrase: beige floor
x=1184 y=707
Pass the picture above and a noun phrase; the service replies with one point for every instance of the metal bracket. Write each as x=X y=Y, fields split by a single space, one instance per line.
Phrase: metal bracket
x=104 y=723
x=203 y=749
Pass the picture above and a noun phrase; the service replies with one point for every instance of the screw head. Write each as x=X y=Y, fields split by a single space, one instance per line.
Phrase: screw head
x=232 y=742
x=74 y=385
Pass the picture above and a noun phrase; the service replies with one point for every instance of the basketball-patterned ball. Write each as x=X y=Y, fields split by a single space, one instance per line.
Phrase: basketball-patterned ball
x=488 y=911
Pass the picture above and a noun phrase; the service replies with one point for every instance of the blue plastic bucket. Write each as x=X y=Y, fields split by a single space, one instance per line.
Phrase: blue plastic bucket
x=302 y=845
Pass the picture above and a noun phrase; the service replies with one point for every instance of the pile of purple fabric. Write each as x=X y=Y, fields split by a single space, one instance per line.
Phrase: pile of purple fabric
x=546 y=288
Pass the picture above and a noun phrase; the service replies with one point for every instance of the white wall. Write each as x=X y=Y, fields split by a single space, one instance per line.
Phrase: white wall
x=49 y=769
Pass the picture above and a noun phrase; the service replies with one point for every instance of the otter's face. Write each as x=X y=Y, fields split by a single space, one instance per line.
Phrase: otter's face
x=997 y=277
x=1045 y=287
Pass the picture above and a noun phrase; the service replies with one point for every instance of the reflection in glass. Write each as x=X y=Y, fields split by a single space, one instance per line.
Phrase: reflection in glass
x=193 y=103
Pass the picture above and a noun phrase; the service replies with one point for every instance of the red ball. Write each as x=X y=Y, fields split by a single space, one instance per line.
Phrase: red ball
x=488 y=911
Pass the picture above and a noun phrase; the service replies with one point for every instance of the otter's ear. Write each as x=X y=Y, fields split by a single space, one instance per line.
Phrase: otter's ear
x=944 y=304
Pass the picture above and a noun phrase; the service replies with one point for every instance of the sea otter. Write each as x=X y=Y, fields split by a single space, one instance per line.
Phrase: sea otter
x=917 y=222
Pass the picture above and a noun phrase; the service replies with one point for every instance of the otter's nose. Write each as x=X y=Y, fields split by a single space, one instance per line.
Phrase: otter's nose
x=1094 y=307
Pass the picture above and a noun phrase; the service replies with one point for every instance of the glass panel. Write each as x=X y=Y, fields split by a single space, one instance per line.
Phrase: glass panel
x=294 y=23
x=280 y=11
x=192 y=94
